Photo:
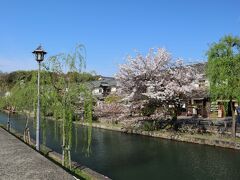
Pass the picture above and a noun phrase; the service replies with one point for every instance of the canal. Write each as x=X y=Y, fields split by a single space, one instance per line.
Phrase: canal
x=123 y=156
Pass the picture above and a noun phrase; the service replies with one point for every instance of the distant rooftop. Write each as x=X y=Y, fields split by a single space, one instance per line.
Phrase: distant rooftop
x=200 y=67
x=103 y=81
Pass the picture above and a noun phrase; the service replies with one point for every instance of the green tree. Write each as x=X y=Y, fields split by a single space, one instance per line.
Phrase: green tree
x=223 y=72
x=62 y=94
x=21 y=98
x=6 y=104
x=65 y=94
x=24 y=99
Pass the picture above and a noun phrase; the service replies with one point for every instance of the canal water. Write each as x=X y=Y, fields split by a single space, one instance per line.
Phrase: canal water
x=123 y=156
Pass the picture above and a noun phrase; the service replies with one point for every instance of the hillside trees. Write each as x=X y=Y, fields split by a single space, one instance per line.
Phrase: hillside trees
x=223 y=72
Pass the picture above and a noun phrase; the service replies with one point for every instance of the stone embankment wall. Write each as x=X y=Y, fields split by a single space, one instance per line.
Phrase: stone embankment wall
x=183 y=137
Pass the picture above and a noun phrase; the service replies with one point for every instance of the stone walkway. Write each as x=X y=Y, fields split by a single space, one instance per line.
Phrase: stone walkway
x=20 y=162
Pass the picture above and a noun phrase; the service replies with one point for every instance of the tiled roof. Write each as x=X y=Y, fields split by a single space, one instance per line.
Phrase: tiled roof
x=103 y=82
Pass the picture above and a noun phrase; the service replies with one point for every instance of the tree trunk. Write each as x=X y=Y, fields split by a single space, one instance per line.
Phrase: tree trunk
x=29 y=138
x=63 y=131
x=233 y=121
x=174 y=119
x=63 y=145
x=8 y=122
x=69 y=158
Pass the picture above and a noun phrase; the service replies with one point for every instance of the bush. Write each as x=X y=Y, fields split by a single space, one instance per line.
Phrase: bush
x=112 y=98
x=148 y=126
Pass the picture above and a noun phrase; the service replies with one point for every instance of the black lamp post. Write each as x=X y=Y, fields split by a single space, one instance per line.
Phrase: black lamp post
x=39 y=53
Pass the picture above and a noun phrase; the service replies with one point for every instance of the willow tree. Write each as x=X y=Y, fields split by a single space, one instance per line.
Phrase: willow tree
x=21 y=99
x=223 y=71
x=65 y=95
x=6 y=104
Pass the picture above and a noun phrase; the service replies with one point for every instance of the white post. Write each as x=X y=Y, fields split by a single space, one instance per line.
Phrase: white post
x=38 y=111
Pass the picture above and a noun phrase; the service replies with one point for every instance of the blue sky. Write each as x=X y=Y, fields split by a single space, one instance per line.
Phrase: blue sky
x=110 y=30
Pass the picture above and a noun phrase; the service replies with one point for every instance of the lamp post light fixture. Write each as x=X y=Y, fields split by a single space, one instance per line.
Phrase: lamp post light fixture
x=39 y=54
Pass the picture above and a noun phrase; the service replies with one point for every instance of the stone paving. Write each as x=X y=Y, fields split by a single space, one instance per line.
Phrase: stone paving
x=19 y=162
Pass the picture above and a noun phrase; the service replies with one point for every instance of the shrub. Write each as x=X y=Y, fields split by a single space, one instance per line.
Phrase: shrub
x=112 y=98
x=148 y=126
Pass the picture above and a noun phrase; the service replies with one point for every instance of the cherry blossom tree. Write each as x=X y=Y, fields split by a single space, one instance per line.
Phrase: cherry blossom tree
x=156 y=77
x=110 y=110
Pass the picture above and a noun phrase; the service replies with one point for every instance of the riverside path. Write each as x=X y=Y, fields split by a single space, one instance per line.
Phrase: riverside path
x=19 y=161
